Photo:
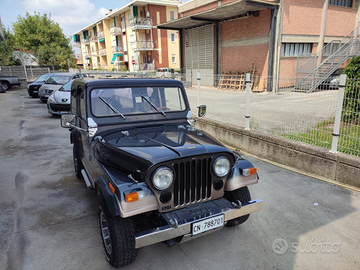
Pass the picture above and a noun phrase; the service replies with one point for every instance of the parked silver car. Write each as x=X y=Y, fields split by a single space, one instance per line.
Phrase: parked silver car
x=54 y=83
x=59 y=101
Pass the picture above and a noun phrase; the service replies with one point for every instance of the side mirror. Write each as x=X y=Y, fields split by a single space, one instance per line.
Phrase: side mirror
x=66 y=119
x=201 y=111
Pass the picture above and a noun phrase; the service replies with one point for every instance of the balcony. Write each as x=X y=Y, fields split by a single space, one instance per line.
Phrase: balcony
x=95 y=53
x=144 y=66
x=77 y=44
x=101 y=34
x=102 y=52
x=85 y=41
x=93 y=39
x=117 y=49
x=143 y=45
x=86 y=54
x=115 y=30
x=140 y=23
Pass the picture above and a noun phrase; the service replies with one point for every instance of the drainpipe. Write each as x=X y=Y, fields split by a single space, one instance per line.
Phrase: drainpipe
x=181 y=40
x=322 y=33
x=278 y=49
x=274 y=13
x=216 y=49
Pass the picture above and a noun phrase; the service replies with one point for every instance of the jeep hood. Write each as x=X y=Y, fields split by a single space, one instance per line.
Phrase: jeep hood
x=139 y=149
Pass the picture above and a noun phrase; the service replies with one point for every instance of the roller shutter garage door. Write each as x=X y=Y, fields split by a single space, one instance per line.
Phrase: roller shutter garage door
x=199 y=53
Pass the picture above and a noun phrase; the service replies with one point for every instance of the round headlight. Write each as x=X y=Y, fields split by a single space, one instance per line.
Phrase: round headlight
x=221 y=166
x=162 y=178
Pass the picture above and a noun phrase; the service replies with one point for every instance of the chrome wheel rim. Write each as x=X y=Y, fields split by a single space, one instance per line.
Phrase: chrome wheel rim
x=104 y=227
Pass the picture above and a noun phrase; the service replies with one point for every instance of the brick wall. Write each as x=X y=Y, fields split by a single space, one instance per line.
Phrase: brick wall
x=239 y=58
x=340 y=21
x=303 y=17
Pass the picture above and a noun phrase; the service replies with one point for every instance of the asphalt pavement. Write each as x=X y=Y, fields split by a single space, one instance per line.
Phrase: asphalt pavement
x=48 y=217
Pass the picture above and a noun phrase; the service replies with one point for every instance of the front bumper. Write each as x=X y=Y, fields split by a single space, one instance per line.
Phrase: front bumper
x=180 y=221
x=59 y=109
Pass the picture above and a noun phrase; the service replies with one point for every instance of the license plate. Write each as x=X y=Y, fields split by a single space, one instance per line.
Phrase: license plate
x=207 y=224
x=35 y=92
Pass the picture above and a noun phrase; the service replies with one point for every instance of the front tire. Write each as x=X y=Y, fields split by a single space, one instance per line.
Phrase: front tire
x=243 y=195
x=78 y=166
x=118 y=237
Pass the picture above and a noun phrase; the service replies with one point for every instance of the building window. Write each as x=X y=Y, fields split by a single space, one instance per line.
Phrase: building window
x=172 y=37
x=172 y=15
x=173 y=58
x=295 y=49
x=330 y=48
x=341 y=3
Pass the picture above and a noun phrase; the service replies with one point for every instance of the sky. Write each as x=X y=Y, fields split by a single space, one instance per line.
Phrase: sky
x=72 y=15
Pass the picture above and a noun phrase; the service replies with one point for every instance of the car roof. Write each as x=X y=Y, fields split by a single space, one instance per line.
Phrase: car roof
x=138 y=82
x=65 y=73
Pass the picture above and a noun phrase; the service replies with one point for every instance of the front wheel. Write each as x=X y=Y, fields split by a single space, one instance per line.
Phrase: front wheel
x=243 y=195
x=118 y=237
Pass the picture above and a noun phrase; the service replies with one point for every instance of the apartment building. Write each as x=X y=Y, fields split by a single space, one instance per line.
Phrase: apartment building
x=266 y=36
x=127 y=38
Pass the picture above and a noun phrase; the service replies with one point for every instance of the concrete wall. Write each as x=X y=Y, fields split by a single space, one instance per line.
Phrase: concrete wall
x=303 y=157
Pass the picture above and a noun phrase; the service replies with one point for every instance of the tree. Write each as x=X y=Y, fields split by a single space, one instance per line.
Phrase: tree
x=7 y=49
x=351 y=103
x=44 y=37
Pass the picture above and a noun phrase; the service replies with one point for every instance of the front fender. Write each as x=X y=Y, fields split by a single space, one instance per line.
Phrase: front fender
x=110 y=198
x=235 y=180
x=123 y=185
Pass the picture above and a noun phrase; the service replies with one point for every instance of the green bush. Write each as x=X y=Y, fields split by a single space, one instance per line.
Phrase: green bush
x=351 y=105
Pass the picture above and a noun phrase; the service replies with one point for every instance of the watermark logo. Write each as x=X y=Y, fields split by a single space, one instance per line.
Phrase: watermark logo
x=280 y=246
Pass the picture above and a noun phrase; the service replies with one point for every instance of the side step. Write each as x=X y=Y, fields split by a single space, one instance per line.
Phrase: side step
x=87 y=179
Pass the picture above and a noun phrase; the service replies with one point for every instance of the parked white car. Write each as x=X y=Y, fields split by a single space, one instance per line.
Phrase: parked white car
x=54 y=83
x=166 y=73
x=59 y=101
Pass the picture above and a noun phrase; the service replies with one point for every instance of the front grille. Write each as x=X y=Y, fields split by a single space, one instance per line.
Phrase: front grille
x=193 y=181
x=59 y=107
x=48 y=91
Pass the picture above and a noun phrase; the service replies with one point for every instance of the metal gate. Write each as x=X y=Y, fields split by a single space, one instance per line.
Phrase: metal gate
x=199 y=53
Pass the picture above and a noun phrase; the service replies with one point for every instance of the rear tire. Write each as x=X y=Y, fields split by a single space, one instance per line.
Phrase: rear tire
x=6 y=86
x=78 y=166
x=118 y=237
x=243 y=195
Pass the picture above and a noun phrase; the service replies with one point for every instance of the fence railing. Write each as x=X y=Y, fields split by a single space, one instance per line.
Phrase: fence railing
x=305 y=117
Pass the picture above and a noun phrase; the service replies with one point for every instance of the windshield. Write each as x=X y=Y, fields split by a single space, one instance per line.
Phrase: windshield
x=136 y=100
x=66 y=87
x=43 y=78
x=58 y=79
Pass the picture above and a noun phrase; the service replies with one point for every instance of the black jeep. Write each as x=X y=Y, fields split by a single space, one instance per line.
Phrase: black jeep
x=160 y=178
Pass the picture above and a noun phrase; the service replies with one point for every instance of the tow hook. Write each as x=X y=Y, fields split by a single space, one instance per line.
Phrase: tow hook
x=174 y=223
x=237 y=204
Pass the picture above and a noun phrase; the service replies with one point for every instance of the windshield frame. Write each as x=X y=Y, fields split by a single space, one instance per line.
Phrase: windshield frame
x=135 y=98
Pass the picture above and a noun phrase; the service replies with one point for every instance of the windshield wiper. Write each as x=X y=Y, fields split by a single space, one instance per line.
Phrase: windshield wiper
x=152 y=105
x=112 y=108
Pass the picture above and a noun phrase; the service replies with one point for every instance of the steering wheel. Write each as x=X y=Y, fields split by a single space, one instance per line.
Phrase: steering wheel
x=165 y=108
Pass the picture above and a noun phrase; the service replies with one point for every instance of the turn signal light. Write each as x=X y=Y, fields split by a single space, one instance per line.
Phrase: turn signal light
x=111 y=188
x=132 y=197
x=248 y=172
